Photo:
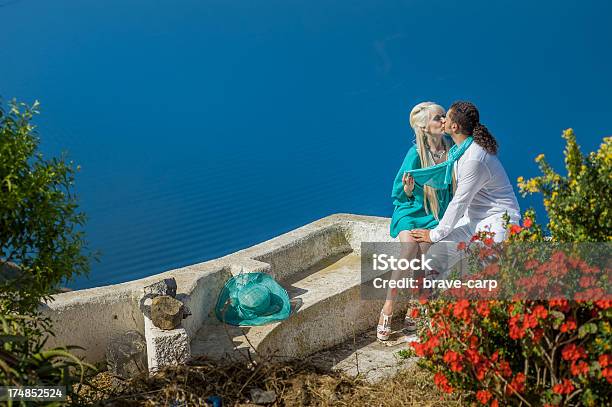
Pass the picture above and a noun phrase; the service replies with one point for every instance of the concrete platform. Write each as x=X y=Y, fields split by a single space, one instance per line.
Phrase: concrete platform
x=366 y=356
x=326 y=309
x=318 y=264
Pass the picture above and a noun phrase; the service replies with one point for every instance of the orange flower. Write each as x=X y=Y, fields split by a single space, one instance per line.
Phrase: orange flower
x=607 y=373
x=442 y=382
x=579 y=368
x=604 y=304
x=483 y=308
x=483 y=396
x=454 y=360
x=514 y=229
x=517 y=384
x=572 y=352
x=564 y=388
x=461 y=310
x=569 y=325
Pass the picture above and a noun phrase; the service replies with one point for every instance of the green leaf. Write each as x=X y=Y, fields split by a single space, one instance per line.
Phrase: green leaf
x=586 y=329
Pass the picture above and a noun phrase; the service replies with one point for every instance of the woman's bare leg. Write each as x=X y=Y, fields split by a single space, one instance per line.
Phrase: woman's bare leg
x=410 y=249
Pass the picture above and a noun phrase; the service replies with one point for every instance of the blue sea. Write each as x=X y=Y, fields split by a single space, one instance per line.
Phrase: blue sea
x=205 y=126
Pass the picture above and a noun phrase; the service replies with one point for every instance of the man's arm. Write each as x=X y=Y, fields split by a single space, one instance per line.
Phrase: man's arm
x=474 y=174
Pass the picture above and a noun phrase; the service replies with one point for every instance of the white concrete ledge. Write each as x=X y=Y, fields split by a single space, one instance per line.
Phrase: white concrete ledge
x=88 y=318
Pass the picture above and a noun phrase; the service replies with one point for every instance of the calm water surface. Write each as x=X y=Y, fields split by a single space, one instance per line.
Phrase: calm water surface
x=203 y=127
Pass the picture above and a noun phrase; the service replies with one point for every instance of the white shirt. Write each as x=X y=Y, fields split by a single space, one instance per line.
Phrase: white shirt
x=483 y=190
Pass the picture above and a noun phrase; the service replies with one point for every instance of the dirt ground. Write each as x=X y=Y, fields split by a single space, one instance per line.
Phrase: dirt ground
x=286 y=383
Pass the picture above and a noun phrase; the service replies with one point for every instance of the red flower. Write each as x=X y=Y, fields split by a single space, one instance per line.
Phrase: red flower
x=538 y=334
x=527 y=222
x=491 y=270
x=414 y=313
x=514 y=229
x=473 y=342
x=419 y=348
x=517 y=384
x=587 y=281
x=495 y=356
x=569 y=325
x=454 y=360
x=483 y=308
x=472 y=356
x=607 y=373
x=442 y=382
x=494 y=403
x=426 y=348
x=560 y=303
x=481 y=371
x=516 y=331
x=461 y=246
x=604 y=304
x=460 y=311
x=604 y=360
x=483 y=396
x=564 y=388
x=488 y=241
x=504 y=369
x=572 y=352
x=579 y=368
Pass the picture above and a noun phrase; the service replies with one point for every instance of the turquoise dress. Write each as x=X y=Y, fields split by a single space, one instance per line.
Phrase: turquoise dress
x=409 y=213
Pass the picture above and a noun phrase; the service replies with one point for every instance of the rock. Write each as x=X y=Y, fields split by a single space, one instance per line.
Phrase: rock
x=166 y=312
x=259 y=396
x=167 y=286
x=126 y=355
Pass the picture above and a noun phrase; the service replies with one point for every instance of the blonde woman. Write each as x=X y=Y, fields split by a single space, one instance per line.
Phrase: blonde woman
x=417 y=207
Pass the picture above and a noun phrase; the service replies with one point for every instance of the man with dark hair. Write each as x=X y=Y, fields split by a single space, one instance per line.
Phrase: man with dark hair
x=483 y=195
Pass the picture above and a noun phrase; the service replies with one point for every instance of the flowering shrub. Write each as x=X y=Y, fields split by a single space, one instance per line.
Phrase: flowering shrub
x=530 y=352
x=543 y=337
x=578 y=204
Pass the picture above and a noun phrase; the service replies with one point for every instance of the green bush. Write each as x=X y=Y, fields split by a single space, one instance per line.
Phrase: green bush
x=41 y=247
x=579 y=203
x=39 y=218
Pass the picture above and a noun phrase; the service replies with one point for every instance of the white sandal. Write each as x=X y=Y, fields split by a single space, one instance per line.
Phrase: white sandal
x=383 y=331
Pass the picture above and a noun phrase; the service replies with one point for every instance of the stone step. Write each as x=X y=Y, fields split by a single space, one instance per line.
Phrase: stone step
x=365 y=356
x=327 y=309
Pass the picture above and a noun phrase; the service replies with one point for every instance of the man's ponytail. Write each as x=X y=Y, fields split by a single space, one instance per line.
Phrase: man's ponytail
x=484 y=138
x=467 y=117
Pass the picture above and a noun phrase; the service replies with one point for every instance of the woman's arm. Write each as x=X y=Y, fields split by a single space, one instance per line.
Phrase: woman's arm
x=474 y=175
x=411 y=161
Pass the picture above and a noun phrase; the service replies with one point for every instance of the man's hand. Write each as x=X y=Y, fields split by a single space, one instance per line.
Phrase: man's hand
x=408 y=182
x=421 y=235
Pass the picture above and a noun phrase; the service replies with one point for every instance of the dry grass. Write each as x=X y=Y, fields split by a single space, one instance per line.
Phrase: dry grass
x=297 y=383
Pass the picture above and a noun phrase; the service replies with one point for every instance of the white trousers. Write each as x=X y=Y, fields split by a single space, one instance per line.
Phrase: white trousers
x=445 y=254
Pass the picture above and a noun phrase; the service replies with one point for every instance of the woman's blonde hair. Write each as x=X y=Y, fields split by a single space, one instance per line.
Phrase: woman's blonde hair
x=419 y=118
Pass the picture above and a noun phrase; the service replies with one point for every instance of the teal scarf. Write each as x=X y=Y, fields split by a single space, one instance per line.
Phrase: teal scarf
x=440 y=175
